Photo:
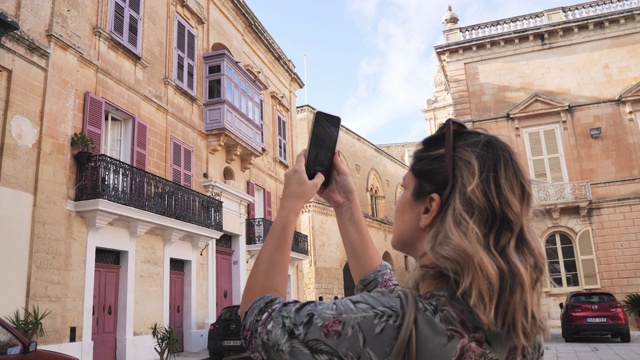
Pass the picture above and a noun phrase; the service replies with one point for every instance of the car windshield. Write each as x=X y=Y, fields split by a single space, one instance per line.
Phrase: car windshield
x=593 y=298
x=230 y=313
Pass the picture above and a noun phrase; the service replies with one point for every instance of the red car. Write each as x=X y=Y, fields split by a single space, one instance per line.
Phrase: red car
x=593 y=314
x=15 y=346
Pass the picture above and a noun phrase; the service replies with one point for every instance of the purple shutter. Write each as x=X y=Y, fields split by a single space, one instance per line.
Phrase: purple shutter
x=191 y=60
x=185 y=58
x=118 y=18
x=126 y=22
x=268 y=213
x=176 y=161
x=187 y=167
x=134 y=22
x=139 y=145
x=180 y=51
x=251 y=191
x=94 y=119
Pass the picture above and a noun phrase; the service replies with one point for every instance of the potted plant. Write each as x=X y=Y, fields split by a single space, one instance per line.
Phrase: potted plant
x=631 y=305
x=84 y=145
x=166 y=341
x=30 y=326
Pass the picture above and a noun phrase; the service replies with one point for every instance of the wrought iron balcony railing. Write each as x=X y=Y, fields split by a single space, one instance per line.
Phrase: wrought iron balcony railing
x=104 y=177
x=563 y=193
x=257 y=230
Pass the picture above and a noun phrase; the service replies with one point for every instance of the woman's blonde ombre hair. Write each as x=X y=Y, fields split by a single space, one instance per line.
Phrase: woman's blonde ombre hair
x=480 y=245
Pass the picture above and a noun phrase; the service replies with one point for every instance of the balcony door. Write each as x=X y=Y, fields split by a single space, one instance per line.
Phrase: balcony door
x=261 y=207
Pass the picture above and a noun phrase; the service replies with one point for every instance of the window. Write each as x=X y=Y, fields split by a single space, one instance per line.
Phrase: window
x=373 y=200
x=185 y=56
x=261 y=207
x=229 y=85
x=544 y=152
x=181 y=163
x=125 y=22
x=376 y=195
x=115 y=131
x=282 y=137
x=9 y=344
x=571 y=263
x=562 y=262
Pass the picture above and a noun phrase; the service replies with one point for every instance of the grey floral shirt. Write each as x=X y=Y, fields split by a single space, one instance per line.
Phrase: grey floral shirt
x=366 y=326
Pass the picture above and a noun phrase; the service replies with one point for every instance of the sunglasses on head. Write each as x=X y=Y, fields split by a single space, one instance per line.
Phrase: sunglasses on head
x=448 y=128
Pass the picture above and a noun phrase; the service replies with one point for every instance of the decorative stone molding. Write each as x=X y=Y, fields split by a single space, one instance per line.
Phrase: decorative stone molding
x=246 y=160
x=233 y=152
x=539 y=104
x=215 y=142
x=196 y=9
x=629 y=98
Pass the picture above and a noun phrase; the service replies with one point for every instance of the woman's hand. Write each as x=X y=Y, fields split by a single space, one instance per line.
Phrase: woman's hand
x=341 y=192
x=298 y=189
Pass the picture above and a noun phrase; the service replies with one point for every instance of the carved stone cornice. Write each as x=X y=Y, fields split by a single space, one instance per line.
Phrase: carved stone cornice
x=215 y=142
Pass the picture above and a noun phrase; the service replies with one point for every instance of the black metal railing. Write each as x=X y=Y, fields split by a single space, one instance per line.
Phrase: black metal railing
x=257 y=230
x=104 y=177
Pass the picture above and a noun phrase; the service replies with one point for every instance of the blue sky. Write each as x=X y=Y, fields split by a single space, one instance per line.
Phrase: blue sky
x=372 y=62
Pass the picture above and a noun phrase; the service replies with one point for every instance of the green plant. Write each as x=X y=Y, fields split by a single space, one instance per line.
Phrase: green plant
x=82 y=142
x=631 y=304
x=166 y=341
x=30 y=326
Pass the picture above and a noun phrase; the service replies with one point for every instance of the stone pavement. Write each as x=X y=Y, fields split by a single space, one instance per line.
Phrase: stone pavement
x=599 y=348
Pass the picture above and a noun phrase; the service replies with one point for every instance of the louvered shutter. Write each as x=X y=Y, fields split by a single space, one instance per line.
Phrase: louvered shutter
x=94 y=120
x=268 y=213
x=553 y=156
x=134 y=22
x=191 y=60
x=251 y=191
x=185 y=57
x=187 y=166
x=126 y=22
x=546 y=161
x=139 y=145
x=588 y=263
x=176 y=161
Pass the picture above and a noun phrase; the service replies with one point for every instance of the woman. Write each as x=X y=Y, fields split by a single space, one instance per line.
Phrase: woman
x=463 y=216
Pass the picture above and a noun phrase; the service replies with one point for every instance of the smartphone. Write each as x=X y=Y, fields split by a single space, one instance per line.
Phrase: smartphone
x=322 y=145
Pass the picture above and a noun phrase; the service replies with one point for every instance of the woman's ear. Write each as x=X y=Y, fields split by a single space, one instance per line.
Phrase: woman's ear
x=430 y=207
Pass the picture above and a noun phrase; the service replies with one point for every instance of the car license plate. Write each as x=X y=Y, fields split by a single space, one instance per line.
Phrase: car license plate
x=596 y=320
x=231 y=342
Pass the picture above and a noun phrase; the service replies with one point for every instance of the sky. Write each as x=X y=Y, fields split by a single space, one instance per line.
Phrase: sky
x=372 y=62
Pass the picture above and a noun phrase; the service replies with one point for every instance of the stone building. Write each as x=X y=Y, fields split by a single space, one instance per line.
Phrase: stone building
x=377 y=176
x=562 y=87
x=191 y=106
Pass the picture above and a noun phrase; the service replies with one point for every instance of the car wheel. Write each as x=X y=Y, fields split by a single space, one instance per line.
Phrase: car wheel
x=625 y=337
x=568 y=337
x=216 y=356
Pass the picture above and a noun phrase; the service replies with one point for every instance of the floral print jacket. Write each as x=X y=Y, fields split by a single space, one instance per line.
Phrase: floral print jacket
x=366 y=326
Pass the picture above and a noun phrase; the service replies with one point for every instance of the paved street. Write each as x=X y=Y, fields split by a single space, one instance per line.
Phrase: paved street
x=555 y=349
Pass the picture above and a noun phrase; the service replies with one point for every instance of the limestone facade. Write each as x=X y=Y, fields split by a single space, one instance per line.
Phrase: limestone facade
x=156 y=79
x=561 y=86
x=377 y=176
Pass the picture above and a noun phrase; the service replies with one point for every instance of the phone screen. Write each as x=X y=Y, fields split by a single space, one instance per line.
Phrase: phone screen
x=322 y=145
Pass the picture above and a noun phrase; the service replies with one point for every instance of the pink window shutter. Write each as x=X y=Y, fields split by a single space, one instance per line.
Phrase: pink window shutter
x=268 y=213
x=251 y=191
x=176 y=161
x=139 y=143
x=187 y=167
x=94 y=120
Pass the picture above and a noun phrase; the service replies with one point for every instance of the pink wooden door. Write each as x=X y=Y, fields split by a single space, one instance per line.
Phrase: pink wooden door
x=224 y=294
x=176 y=305
x=105 y=311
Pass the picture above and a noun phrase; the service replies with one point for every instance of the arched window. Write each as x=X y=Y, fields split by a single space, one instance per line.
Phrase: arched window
x=376 y=195
x=562 y=261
